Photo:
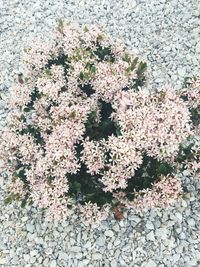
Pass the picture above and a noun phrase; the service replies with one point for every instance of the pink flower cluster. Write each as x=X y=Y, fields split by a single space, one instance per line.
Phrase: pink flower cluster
x=156 y=122
x=162 y=195
x=124 y=160
x=193 y=93
x=49 y=115
x=93 y=214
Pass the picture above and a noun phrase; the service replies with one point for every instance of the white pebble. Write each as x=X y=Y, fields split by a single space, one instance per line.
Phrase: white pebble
x=53 y=263
x=109 y=233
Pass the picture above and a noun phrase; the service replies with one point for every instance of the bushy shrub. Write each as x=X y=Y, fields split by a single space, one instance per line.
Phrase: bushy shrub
x=82 y=134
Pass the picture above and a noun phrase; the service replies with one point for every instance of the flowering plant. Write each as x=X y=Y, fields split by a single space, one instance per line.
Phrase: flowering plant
x=83 y=136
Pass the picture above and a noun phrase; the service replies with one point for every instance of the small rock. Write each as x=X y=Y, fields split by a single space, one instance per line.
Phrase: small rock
x=39 y=240
x=191 y=222
x=150 y=226
x=113 y=263
x=32 y=260
x=193 y=262
x=88 y=245
x=30 y=228
x=184 y=203
x=150 y=236
x=24 y=219
x=63 y=256
x=15 y=260
x=181 y=71
x=151 y=263
x=159 y=80
x=96 y=256
x=134 y=218
x=182 y=235
x=75 y=249
x=53 y=263
x=26 y=257
x=116 y=228
x=161 y=233
x=100 y=241
x=109 y=233
x=83 y=263
x=49 y=251
x=117 y=242
x=2 y=261
x=198 y=47
x=133 y=3
x=176 y=257
x=33 y=253
x=179 y=216
x=110 y=245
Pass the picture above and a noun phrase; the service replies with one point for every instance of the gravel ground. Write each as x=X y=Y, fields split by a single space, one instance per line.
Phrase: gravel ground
x=166 y=33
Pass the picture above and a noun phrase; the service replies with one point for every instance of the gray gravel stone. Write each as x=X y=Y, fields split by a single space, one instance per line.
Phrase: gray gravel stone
x=53 y=263
x=151 y=263
x=150 y=226
x=30 y=228
x=109 y=233
x=151 y=236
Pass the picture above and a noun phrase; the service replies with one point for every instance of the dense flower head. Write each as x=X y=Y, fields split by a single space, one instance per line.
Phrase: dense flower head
x=94 y=214
x=156 y=122
x=82 y=131
x=163 y=194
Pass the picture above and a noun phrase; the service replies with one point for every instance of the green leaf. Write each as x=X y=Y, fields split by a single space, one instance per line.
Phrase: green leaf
x=127 y=58
x=8 y=200
x=27 y=109
x=93 y=69
x=48 y=72
x=72 y=115
x=133 y=63
x=24 y=202
x=85 y=29
x=50 y=178
x=81 y=75
x=76 y=186
x=60 y=26
x=23 y=118
x=141 y=68
x=164 y=169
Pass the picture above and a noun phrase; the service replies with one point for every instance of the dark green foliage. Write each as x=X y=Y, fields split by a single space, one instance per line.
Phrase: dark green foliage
x=184 y=153
x=140 y=71
x=104 y=53
x=62 y=60
x=187 y=82
x=89 y=186
x=103 y=129
x=50 y=179
x=147 y=174
x=140 y=74
x=60 y=25
x=34 y=95
x=87 y=88
x=34 y=132
x=24 y=201
x=195 y=116
x=8 y=199
x=48 y=72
